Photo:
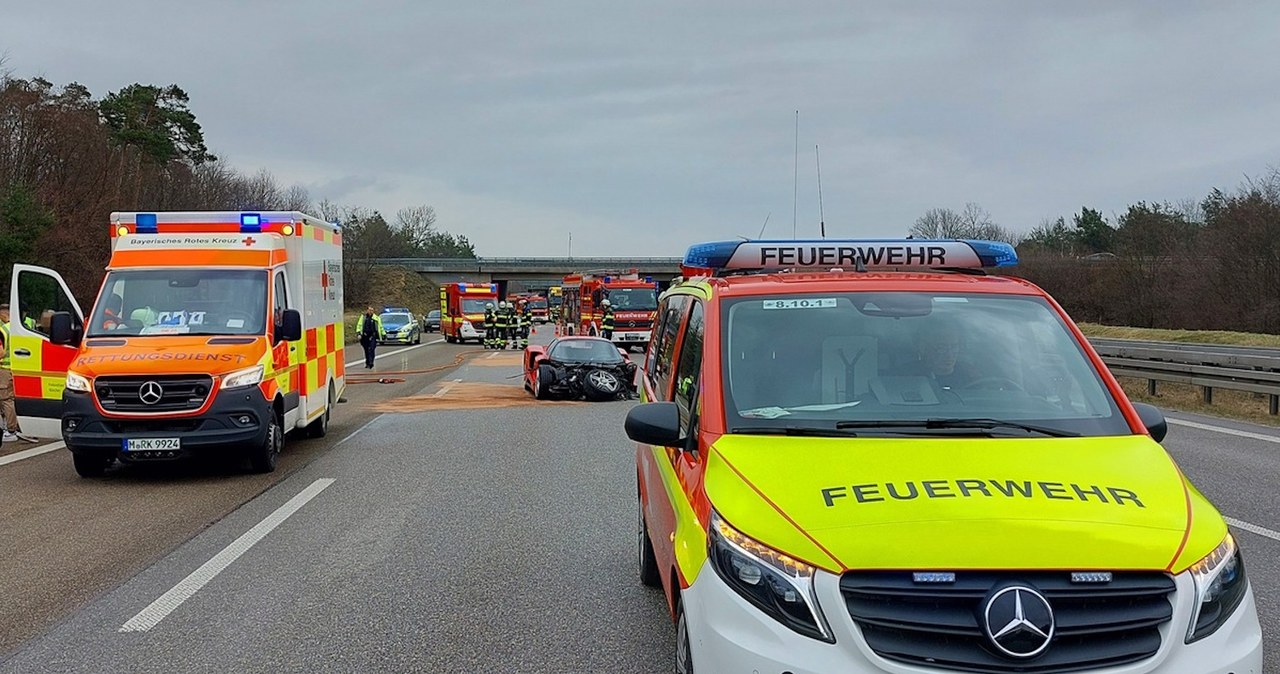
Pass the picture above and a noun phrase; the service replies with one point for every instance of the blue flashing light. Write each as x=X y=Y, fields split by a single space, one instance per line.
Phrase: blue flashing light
x=994 y=253
x=493 y=287
x=145 y=223
x=608 y=279
x=648 y=279
x=712 y=255
x=462 y=286
x=251 y=223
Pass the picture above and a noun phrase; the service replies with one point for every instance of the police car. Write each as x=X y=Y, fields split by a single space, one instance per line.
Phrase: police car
x=874 y=456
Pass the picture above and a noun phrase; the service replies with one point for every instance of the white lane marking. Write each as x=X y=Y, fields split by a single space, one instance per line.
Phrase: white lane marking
x=491 y=356
x=1253 y=528
x=1229 y=431
x=151 y=616
x=34 y=451
x=357 y=431
x=445 y=389
x=360 y=361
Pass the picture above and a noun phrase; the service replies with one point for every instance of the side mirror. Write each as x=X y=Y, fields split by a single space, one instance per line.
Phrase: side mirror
x=290 y=328
x=655 y=424
x=62 y=330
x=1153 y=419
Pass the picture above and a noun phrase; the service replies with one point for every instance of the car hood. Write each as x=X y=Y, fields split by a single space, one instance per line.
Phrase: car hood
x=963 y=503
x=170 y=354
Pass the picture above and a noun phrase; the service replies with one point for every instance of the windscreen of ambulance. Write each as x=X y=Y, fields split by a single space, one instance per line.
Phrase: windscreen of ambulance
x=181 y=302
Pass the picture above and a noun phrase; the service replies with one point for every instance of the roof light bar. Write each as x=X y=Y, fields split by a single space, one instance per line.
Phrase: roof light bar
x=251 y=223
x=830 y=253
x=145 y=223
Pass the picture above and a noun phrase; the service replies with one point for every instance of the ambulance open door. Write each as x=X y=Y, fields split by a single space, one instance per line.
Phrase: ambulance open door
x=39 y=366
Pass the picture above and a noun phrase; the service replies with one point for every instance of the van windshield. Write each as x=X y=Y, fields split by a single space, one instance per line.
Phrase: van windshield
x=911 y=363
x=181 y=302
x=633 y=299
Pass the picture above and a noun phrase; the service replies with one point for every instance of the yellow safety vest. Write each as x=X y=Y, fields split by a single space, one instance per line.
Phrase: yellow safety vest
x=4 y=362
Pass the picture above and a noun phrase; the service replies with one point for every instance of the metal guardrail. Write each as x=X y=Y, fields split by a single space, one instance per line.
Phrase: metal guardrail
x=1209 y=366
x=482 y=264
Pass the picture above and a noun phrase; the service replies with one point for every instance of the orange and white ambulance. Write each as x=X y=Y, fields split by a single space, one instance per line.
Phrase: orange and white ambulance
x=212 y=332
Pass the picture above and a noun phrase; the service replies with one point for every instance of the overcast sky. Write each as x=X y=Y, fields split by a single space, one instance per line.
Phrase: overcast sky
x=642 y=127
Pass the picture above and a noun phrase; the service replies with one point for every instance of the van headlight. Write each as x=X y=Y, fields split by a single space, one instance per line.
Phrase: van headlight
x=78 y=382
x=776 y=584
x=250 y=376
x=1220 y=587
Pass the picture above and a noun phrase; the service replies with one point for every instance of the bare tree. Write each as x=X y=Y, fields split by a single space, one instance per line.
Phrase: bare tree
x=416 y=224
x=974 y=222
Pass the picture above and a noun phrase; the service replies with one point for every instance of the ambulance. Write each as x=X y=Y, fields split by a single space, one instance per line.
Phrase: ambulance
x=462 y=307
x=880 y=456
x=633 y=298
x=213 y=333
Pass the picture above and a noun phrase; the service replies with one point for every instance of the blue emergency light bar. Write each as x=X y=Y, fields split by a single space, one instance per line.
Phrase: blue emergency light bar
x=145 y=223
x=251 y=223
x=491 y=287
x=846 y=254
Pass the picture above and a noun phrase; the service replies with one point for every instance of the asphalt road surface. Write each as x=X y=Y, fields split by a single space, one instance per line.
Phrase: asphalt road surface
x=427 y=538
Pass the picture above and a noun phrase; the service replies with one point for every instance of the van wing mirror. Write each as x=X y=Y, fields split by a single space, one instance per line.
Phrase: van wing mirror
x=290 y=328
x=62 y=329
x=655 y=424
x=1153 y=419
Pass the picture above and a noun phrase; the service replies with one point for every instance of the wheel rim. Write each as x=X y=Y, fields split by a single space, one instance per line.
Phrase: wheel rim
x=603 y=380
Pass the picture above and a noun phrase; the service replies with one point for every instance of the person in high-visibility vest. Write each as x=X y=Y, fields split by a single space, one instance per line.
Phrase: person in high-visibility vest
x=513 y=325
x=526 y=322
x=490 y=327
x=501 y=322
x=369 y=328
x=8 y=411
x=606 y=321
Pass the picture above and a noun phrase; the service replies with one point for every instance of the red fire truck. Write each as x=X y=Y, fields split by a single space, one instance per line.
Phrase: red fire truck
x=634 y=299
x=462 y=310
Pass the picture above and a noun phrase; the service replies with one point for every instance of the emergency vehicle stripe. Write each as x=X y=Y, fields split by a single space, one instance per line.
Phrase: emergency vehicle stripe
x=781 y=512
x=200 y=258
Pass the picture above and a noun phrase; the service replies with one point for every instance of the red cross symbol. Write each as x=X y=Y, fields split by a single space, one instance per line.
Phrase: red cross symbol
x=248 y=241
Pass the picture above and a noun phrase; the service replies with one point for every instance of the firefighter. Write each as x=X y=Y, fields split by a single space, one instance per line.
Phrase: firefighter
x=606 y=321
x=490 y=327
x=513 y=325
x=526 y=323
x=500 y=324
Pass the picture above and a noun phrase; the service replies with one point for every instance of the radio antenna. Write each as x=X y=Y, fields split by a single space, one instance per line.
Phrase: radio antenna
x=766 y=224
x=822 y=221
x=795 y=180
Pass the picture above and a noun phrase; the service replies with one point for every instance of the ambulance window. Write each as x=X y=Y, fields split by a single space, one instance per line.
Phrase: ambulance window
x=281 y=301
x=690 y=364
x=39 y=296
x=664 y=350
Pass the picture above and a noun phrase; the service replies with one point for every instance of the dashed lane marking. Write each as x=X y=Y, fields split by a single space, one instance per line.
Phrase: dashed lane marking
x=445 y=389
x=1228 y=431
x=34 y=451
x=186 y=588
x=1253 y=528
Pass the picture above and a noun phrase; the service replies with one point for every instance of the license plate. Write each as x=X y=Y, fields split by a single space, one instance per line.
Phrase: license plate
x=631 y=338
x=151 y=444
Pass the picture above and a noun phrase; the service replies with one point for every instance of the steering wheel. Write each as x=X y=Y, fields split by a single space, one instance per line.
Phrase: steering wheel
x=1001 y=384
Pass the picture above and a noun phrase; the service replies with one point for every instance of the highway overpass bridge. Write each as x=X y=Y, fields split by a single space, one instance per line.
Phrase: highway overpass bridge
x=521 y=273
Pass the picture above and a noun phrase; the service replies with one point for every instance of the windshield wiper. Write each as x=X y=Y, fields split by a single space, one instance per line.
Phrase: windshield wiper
x=980 y=423
x=802 y=431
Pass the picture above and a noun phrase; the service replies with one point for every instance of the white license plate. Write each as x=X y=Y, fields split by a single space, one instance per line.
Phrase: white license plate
x=632 y=338
x=151 y=444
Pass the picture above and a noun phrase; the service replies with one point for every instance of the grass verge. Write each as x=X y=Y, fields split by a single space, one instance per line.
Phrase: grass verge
x=1189 y=336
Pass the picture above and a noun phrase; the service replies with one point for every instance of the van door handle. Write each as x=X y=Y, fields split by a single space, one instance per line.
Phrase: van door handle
x=22 y=352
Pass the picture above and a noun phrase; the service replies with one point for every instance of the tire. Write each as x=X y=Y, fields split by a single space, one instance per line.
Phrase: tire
x=90 y=465
x=320 y=427
x=450 y=339
x=542 y=384
x=684 y=654
x=649 y=575
x=601 y=385
x=262 y=459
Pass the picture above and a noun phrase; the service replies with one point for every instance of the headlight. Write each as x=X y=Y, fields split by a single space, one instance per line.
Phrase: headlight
x=249 y=376
x=1220 y=587
x=776 y=584
x=78 y=382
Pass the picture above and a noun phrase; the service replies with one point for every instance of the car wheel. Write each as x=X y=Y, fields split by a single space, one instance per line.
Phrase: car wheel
x=449 y=339
x=601 y=385
x=545 y=377
x=90 y=464
x=320 y=427
x=262 y=459
x=648 y=561
x=684 y=655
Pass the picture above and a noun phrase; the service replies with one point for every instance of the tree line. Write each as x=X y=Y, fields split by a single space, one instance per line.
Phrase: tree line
x=68 y=159
x=1202 y=264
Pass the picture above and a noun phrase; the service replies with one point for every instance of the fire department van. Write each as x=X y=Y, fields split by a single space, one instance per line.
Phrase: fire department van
x=212 y=332
x=462 y=310
x=633 y=298
x=871 y=456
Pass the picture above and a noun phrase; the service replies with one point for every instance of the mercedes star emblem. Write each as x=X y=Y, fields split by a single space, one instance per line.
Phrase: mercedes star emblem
x=1019 y=621
x=150 y=393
